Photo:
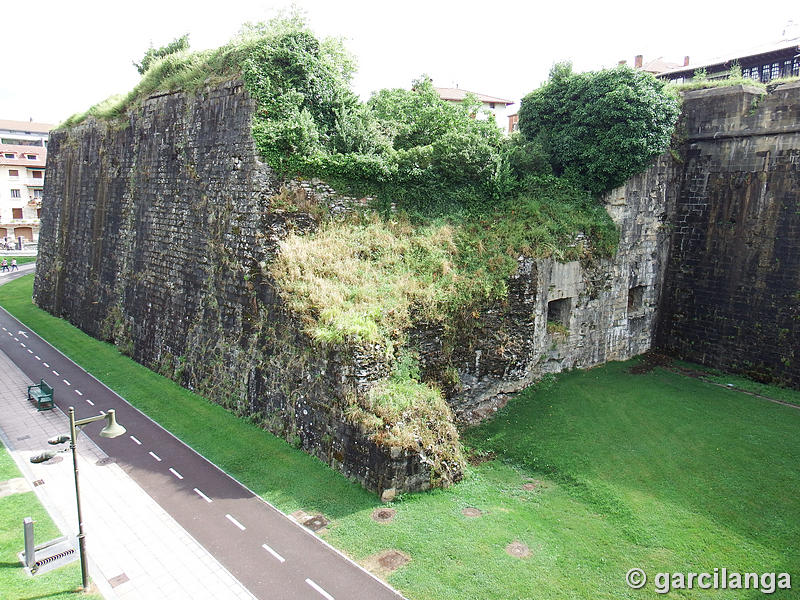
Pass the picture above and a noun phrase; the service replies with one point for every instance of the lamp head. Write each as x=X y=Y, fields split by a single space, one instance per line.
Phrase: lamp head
x=112 y=428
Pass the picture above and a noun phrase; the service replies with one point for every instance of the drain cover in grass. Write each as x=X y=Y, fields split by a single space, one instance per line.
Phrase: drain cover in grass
x=518 y=550
x=386 y=562
x=315 y=523
x=471 y=512
x=383 y=515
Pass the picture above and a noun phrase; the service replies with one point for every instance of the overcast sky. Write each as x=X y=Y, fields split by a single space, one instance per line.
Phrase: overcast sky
x=60 y=57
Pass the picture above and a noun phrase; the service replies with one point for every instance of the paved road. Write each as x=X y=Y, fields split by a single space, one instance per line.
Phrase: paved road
x=274 y=557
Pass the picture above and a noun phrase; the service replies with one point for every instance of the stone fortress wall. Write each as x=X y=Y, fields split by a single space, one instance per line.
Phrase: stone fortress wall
x=155 y=236
x=733 y=279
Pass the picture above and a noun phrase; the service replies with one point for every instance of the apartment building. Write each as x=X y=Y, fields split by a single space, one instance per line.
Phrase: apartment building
x=23 y=155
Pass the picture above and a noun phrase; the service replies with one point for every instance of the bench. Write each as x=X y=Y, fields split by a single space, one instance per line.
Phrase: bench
x=43 y=394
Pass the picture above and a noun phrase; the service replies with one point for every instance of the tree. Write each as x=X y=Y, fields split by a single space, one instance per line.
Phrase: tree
x=599 y=128
x=153 y=54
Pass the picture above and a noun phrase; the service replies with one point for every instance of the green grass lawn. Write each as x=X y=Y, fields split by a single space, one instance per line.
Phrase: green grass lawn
x=61 y=584
x=658 y=471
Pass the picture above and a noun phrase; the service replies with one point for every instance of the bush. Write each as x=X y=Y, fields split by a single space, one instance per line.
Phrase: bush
x=599 y=128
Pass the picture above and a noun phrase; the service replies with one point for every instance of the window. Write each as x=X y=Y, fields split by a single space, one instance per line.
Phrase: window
x=9 y=155
x=796 y=67
x=787 y=68
x=13 y=172
x=30 y=156
x=558 y=315
x=15 y=194
x=38 y=213
x=37 y=194
x=37 y=174
x=491 y=105
x=765 y=74
x=16 y=213
x=776 y=70
x=635 y=298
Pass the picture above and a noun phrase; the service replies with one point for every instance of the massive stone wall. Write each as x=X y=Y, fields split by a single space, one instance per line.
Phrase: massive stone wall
x=732 y=296
x=156 y=235
x=567 y=315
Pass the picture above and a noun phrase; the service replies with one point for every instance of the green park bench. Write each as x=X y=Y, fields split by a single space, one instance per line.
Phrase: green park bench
x=43 y=394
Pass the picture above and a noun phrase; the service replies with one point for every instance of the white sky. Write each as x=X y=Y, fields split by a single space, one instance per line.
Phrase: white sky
x=60 y=57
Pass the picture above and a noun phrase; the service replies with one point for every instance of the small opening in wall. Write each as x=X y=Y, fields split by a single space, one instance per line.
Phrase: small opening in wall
x=558 y=314
x=636 y=298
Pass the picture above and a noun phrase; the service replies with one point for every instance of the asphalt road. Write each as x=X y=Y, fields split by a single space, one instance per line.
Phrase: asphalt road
x=272 y=555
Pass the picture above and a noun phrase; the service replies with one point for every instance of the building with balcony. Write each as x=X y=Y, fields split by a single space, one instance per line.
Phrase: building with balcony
x=23 y=155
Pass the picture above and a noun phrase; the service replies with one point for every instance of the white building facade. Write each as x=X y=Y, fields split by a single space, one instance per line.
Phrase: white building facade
x=498 y=107
x=23 y=156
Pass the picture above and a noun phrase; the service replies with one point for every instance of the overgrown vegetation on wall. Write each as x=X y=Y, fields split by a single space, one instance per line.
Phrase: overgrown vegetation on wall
x=599 y=128
x=456 y=204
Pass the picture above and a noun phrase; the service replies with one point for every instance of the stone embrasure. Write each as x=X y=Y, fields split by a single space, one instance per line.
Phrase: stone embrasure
x=157 y=236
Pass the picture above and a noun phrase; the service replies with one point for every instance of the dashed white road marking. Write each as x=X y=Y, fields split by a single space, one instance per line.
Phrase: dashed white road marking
x=79 y=392
x=46 y=365
x=16 y=339
x=4 y=329
x=22 y=333
x=202 y=495
x=67 y=382
x=29 y=350
x=271 y=551
x=56 y=373
x=174 y=472
x=322 y=592
x=90 y=402
x=37 y=358
x=137 y=441
x=23 y=345
x=235 y=522
x=154 y=455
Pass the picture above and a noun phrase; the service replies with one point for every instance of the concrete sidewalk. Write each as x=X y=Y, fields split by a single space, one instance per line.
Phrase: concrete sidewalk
x=136 y=550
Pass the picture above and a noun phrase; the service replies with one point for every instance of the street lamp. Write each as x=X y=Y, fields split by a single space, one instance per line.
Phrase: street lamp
x=111 y=430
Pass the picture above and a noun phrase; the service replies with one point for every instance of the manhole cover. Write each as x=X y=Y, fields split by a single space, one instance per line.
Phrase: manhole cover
x=471 y=512
x=383 y=515
x=518 y=550
x=106 y=461
x=315 y=523
x=392 y=559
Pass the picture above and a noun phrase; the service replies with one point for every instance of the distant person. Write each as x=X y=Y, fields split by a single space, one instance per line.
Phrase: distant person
x=14 y=266
x=4 y=266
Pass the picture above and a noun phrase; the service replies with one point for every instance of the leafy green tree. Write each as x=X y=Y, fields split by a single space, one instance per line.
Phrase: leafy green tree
x=154 y=54
x=599 y=128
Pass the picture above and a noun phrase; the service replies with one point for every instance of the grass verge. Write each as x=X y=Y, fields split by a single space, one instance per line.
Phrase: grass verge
x=658 y=471
x=61 y=584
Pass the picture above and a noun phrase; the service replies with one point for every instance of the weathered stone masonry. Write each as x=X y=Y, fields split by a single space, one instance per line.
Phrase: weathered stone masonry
x=156 y=235
x=733 y=282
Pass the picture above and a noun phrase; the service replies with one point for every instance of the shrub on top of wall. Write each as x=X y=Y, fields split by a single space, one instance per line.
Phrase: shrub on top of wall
x=600 y=128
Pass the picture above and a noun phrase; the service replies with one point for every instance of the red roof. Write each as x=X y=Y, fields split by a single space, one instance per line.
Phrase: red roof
x=659 y=65
x=21 y=153
x=457 y=95
x=26 y=126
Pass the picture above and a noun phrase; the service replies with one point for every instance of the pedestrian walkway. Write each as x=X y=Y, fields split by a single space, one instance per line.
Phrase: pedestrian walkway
x=136 y=550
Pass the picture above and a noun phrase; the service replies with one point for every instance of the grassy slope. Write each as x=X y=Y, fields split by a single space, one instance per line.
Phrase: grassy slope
x=14 y=583
x=656 y=470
